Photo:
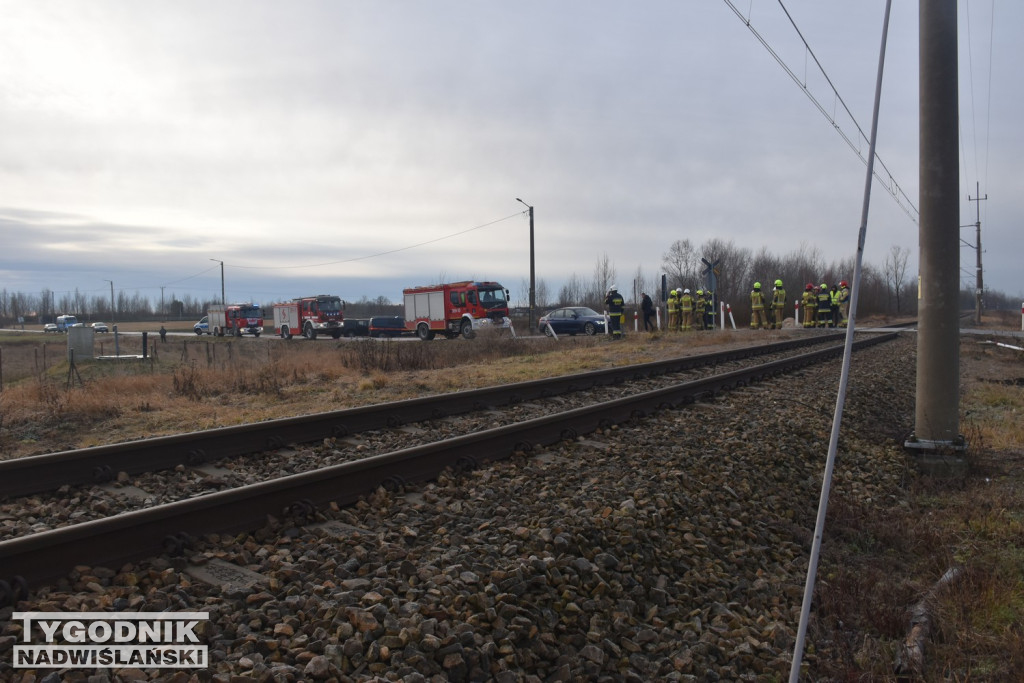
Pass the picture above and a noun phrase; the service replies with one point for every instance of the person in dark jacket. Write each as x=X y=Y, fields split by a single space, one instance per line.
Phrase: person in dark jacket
x=647 y=306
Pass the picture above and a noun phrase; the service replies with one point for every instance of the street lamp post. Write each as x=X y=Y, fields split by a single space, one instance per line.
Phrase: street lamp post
x=533 y=301
x=223 y=299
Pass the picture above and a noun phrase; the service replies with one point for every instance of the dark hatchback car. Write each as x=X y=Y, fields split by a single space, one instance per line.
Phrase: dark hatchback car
x=355 y=327
x=387 y=326
x=572 y=321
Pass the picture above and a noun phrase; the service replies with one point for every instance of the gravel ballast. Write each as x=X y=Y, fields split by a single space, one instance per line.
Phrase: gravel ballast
x=669 y=548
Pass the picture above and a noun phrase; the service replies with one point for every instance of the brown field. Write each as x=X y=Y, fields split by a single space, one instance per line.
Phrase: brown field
x=975 y=521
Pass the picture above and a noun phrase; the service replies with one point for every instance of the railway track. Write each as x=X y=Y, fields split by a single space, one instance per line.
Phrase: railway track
x=112 y=541
x=100 y=464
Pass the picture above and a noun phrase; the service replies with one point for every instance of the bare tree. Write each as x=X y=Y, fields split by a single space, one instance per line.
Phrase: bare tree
x=680 y=263
x=572 y=292
x=896 y=271
x=604 y=278
x=541 y=295
x=734 y=282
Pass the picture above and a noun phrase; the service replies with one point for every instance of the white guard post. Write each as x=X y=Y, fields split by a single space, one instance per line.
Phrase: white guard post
x=607 y=323
x=657 y=315
x=796 y=309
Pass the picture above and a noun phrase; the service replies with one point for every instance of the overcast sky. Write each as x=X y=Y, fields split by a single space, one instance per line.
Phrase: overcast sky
x=355 y=148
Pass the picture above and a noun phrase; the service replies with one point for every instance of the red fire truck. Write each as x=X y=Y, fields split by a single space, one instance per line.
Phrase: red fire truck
x=309 y=316
x=454 y=309
x=235 y=320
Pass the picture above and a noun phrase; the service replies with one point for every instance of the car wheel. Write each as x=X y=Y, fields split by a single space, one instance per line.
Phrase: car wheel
x=467 y=329
x=424 y=332
x=590 y=329
x=309 y=332
x=199 y=332
x=548 y=331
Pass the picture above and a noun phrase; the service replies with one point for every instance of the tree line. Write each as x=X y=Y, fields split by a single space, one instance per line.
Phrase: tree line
x=886 y=289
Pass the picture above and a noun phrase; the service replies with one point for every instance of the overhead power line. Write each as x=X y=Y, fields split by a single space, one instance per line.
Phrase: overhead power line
x=888 y=181
x=383 y=253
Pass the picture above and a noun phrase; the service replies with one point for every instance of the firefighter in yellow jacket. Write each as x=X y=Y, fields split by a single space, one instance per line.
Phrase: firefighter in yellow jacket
x=824 y=306
x=673 y=311
x=778 y=305
x=698 y=310
x=844 y=303
x=757 y=314
x=686 y=310
x=810 y=305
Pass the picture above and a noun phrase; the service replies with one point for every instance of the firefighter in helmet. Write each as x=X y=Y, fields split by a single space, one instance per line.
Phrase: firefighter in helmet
x=616 y=311
x=709 y=309
x=778 y=305
x=698 y=310
x=844 y=303
x=757 y=314
x=673 y=310
x=824 y=306
x=810 y=303
x=686 y=310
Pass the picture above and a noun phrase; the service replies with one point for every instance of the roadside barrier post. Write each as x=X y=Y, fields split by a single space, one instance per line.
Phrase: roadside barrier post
x=796 y=309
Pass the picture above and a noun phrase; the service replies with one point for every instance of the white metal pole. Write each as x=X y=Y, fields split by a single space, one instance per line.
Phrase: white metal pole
x=844 y=375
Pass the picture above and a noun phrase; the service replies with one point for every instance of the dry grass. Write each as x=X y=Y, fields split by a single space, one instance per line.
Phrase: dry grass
x=878 y=563
x=193 y=383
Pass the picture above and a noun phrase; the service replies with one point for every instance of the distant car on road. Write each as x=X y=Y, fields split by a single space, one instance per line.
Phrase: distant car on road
x=355 y=327
x=387 y=326
x=572 y=321
x=203 y=326
x=50 y=327
x=100 y=327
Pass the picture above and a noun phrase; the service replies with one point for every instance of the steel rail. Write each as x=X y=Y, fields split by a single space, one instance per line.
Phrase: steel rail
x=99 y=464
x=47 y=555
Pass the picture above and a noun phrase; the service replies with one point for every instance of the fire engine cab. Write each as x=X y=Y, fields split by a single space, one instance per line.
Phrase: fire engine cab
x=309 y=316
x=456 y=308
x=235 y=320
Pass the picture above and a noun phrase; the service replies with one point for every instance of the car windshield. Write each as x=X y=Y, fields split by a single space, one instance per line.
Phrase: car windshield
x=249 y=312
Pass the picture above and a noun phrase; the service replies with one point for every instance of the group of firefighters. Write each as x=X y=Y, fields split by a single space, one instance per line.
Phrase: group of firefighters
x=687 y=312
x=822 y=306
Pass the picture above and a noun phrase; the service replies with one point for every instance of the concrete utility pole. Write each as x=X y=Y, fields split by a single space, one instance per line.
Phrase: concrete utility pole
x=938 y=339
x=979 y=286
x=223 y=299
x=533 y=300
x=113 y=318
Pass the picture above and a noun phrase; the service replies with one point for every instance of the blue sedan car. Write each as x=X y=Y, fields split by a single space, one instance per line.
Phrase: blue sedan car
x=572 y=321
